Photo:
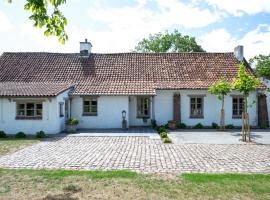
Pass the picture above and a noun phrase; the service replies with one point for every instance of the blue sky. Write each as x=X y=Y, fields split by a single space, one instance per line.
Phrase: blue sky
x=117 y=26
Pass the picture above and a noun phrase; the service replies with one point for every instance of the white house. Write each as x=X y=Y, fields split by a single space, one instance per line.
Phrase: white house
x=39 y=91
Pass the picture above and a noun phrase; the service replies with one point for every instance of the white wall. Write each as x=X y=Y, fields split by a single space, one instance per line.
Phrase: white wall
x=109 y=112
x=51 y=122
x=212 y=106
x=133 y=120
x=267 y=83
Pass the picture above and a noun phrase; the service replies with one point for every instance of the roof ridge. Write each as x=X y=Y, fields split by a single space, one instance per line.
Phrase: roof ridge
x=121 y=53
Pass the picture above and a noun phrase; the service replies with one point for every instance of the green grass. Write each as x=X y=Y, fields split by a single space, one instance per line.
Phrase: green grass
x=69 y=184
x=9 y=145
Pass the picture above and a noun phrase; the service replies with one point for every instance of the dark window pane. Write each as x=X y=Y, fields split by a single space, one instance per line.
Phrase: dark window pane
x=39 y=112
x=30 y=113
x=94 y=109
x=39 y=106
x=199 y=100
x=21 y=106
x=192 y=100
x=235 y=112
x=93 y=103
x=241 y=100
x=86 y=103
x=30 y=106
x=86 y=109
x=235 y=100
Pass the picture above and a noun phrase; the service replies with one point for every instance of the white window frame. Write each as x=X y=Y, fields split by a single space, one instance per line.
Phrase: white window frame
x=91 y=112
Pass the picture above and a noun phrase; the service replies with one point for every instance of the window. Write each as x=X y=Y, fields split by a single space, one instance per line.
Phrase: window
x=196 y=107
x=29 y=111
x=237 y=107
x=61 y=109
x=143 y=107
x=90 y=106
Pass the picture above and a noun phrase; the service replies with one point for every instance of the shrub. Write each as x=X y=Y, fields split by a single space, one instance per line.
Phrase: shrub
x=163 y=134
x=154 y=123
x=20 y=135
x=162 y=129
x=181 y=125
x=40 y=134
x=167 y=140
x=198 y=126
x=3 y=134
x=229 y=126
x=72 y=121
x=166 y=126
x=215 y=125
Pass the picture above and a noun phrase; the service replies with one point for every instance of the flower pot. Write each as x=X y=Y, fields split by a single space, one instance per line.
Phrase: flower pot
x=71 y=128
x=172 y=125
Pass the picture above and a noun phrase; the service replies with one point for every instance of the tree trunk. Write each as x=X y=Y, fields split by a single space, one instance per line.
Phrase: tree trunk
x=246 y=125
x=222 y=115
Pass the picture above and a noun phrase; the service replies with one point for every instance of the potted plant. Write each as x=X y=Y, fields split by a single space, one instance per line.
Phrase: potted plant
x=172 y=124
x=71 y=125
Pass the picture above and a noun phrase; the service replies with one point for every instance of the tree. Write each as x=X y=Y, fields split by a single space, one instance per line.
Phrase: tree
x=54 y=22
x=220 y=89
x=245 y=83
x=262 y=64
x=168 y=42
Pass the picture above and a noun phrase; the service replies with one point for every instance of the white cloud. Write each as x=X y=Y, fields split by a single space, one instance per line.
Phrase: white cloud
x=255 y=42
x=238 y=7
x=127 y=25
x=5 y=25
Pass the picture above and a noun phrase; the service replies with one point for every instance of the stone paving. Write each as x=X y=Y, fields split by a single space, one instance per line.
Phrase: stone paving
x=139 y=154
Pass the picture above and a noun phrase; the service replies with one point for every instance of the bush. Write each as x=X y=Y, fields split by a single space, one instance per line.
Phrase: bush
x=166 y=126
x=154 y=123
x=167 y=140
x=163 y=134
x=72 y=121
x=3 y=134
x=40 y=134
x=20 y=135
x=161 y=129
x=198 y=126
x=181 y=125
x=229 y=126
x=215 y=125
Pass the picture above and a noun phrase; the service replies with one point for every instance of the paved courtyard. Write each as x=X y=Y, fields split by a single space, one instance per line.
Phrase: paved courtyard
x=141 y=154
x=210 y=136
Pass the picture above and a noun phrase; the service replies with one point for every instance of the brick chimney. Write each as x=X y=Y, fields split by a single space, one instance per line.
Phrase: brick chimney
x=239 y=53
x=85 y=48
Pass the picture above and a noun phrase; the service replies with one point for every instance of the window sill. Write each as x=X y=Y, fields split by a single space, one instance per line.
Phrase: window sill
x=143 y=117
x=196 y=117
x=237 y=117
x=27 y=118
x=89 y=114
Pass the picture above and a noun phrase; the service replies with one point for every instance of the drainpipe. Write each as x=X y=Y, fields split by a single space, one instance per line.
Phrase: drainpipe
x=153 y=108
x=1 y=109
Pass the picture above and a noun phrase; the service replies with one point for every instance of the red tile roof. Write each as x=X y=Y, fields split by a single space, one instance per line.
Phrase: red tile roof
x=121 y=73
x=32 y=89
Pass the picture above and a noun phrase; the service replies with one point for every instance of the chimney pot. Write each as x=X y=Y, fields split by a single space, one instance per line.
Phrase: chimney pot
x=85 y=48
x=239 y=53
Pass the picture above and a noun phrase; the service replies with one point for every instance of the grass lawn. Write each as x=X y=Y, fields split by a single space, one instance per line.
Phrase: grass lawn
x=10 y=145
x=71 y=185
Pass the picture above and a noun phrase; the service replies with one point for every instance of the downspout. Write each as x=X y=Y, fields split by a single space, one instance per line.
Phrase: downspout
x=1 y=114
x=153 y=108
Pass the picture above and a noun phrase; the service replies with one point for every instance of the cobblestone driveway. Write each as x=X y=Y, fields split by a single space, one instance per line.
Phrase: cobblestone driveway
x=139 y=154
